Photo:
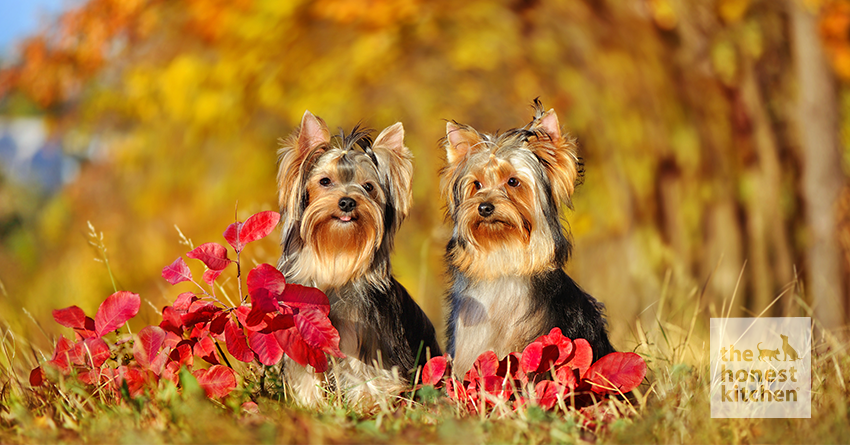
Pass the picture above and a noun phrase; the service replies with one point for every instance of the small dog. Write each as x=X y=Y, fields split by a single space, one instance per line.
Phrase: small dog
x=508 y=247
x=769 y=354
x=342 y=200
x=788 y=350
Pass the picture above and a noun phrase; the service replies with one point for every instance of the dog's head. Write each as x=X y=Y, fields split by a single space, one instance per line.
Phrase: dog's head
x=504 y=193
x=342 y=198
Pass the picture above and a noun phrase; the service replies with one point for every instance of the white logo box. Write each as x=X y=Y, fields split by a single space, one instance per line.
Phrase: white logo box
x=756 y=373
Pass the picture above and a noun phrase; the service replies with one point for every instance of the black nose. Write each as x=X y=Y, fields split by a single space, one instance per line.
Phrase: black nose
x=486 y=209
x=347 y=204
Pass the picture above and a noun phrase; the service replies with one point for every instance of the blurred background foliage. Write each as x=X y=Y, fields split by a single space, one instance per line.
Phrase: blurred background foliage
x=714 y=134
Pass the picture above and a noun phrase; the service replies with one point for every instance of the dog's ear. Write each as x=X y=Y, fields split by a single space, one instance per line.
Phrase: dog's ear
x=460 y=142
x=557 y=153
x=310 y=138
x=313 y=132
x=395 y=161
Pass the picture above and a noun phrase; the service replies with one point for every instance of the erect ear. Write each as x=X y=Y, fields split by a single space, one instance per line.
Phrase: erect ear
x=395 y=161
x=549 y=124
x=312 y=133
x=557 y=154
x=460 y=141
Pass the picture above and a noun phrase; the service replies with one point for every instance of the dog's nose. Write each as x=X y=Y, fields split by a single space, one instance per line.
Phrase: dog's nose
x=347 y=204
x=486 y=209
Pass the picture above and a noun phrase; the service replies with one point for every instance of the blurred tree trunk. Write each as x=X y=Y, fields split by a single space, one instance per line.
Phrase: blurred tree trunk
x=769 y=245
x=821 y=177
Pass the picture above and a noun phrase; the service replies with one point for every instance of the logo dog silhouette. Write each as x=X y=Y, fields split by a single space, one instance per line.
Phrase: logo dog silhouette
x=788 y=350
x=769 y=354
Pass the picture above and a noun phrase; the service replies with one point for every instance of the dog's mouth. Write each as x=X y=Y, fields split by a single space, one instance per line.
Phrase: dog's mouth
x=345 y=218
x=492 y=223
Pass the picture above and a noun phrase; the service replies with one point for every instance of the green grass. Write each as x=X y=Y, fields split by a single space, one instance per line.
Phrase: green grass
x=671 y=407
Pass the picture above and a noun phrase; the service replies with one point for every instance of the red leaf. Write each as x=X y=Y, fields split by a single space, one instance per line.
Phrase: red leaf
x=61 y=354
x=205 y=349
x=148 y=343
x=297 y=349
x=115 y=311
x=237 y=343
x=199 y=312
x=169 y=372
x=265 y=284
x=487 y=364
x=243 y=312
x=37 y=377
x=137 y=379
x=566 y=376
x=250 y=407
x=177 y=272
x=171 y=321
x=74 y=317
x=537 y=357
x=218 y=323
x=456 y=390
x=433 y=371
x=623 y=370
x=71 y=317
x=91 y=352
x=564 y=344
x=547 y=393
x=217 y=381
x=232 y=235
x=258 y=226
x=583 y=356
x=531 y=357
x=214 y=255
x=304 y=297
x=158 y=362
x=316 y=330
x=182 y=353
x=184 y=300
x=266 y=347
x=210 y=276
x=278 y=323
x=510 y=367
x=171 y=340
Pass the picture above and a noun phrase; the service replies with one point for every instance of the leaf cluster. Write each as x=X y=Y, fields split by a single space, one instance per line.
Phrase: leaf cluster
x=274 y=319
x=553 y=371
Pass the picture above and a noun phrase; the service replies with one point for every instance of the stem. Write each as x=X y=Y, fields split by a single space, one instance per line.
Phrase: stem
x=223 y=357
x=239 y=276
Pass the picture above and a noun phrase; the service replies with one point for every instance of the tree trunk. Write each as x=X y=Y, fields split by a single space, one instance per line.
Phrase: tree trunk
x=822 y=177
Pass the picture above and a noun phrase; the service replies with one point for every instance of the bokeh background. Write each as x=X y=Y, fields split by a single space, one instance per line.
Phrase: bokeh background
x=714 y=135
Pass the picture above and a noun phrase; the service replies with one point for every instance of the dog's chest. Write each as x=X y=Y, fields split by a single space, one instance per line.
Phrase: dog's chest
x=492 y=315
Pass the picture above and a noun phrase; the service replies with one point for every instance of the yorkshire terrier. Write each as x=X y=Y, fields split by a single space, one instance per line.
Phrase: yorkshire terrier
x=508 y=246
x=342 y=200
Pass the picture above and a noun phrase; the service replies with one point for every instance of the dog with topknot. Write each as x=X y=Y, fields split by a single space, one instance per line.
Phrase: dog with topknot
x=342 y=200
x=508 y=246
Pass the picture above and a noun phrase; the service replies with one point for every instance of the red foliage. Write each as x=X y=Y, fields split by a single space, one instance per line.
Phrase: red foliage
x=559 y=369
x=280 y=319
x=256 y=227
x=213 y=255
x=177 y=272
x=74 y=317
x=217 y=381
x=115 y=311
x=434 y=370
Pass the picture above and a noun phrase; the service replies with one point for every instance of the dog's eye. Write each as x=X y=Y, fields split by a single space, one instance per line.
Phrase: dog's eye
x=324 y=182
x=368 y=187
x=513 y=182
x=477 y=185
